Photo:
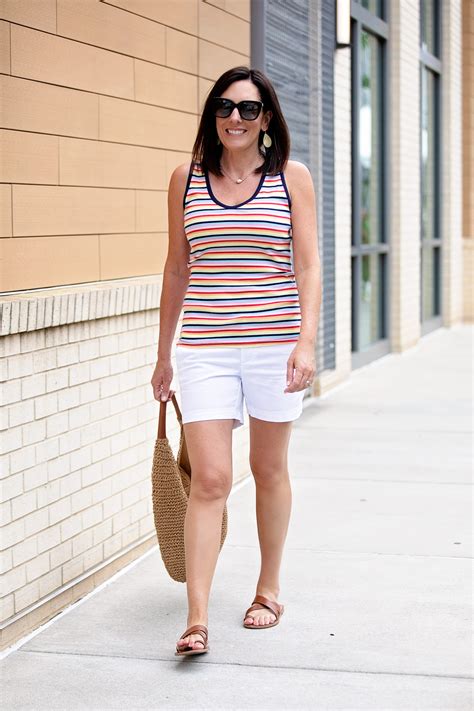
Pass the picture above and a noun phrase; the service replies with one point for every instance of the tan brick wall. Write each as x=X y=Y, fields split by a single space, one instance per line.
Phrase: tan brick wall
x=100 y=101
x=468 y=158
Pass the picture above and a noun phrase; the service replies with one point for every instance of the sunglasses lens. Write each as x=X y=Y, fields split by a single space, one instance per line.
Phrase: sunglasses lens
x=250 y=110
x=222 y=107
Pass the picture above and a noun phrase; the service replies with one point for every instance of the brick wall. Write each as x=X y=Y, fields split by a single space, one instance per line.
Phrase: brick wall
x=100 y=102
x=404 y=174
x=79 y=424
x=343 y=217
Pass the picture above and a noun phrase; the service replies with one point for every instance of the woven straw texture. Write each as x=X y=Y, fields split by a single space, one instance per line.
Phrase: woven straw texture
x=171 y=482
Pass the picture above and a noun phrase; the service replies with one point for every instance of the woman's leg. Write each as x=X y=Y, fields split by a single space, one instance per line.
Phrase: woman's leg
x=269 y=464
x=209 y=445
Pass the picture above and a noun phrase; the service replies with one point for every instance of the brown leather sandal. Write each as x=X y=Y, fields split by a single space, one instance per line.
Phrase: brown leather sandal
x=260 y=602
x=187 y=650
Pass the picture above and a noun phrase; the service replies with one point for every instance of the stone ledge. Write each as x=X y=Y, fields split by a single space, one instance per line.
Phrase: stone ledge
x=43 y=308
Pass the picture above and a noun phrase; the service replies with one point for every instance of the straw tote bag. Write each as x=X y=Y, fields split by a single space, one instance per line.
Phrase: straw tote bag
x=171 y=482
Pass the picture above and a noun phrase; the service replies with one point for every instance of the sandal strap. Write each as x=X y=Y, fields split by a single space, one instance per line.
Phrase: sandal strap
x=260 y=601
x=196 y=629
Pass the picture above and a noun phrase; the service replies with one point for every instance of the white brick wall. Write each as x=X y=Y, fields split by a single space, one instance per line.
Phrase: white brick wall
x=79 y=475
x=78 y=438
x=404 y=174
x=343 y=216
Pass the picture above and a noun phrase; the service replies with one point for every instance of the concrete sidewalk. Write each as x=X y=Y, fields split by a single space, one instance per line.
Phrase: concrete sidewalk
x=375 y=578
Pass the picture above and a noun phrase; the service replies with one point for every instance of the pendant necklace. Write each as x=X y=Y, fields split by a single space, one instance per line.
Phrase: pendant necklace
x=238 y=180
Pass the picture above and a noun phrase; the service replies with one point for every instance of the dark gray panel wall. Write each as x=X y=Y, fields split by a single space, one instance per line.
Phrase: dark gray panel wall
x=287 y=64
x=293 y=42
x=328 y=21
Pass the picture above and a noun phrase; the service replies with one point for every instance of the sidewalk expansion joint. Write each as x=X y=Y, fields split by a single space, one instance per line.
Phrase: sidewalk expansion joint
x=253 y=666
x=358 y=554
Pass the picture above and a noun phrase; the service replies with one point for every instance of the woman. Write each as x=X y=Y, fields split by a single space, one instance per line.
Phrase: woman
x=249 y=325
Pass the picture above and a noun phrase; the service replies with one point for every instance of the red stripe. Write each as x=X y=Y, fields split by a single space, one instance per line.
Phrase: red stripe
x=246 y=318
x=240 y=343
x=237 y=228
x=252 y=330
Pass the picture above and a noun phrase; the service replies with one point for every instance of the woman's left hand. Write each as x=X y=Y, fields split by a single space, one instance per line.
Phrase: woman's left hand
x=300 y=367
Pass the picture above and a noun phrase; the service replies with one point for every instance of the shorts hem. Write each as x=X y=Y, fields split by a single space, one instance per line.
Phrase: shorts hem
x=200 y=415
x=272 y=416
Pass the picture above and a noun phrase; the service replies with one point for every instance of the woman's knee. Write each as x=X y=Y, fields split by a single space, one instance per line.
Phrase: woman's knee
x=270 y=473
x=211 y=485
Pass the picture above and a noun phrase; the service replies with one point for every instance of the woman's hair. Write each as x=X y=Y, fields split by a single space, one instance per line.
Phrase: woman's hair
x=208 y=153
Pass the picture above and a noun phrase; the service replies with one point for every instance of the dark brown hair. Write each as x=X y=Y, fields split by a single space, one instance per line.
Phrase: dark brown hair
x=208 y=153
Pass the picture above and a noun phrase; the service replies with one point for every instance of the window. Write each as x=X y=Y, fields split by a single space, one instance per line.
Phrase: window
x=369 y=237
x=373 y=6
x=430 y=77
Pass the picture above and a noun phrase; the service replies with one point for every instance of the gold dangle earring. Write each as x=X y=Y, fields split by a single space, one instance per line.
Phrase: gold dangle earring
x=267 y=141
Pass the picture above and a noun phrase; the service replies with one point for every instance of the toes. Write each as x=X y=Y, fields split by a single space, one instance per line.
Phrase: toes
x=259 y=619
x=264 y=619
x=196 y=641
x=187 y=642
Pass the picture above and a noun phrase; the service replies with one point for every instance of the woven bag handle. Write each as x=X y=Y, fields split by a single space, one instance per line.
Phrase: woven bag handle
x=162 y=416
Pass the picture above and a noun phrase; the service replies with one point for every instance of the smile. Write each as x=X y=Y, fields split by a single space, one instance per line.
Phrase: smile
x=235 y=132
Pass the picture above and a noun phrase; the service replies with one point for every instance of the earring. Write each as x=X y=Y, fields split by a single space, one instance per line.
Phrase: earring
x=218 y=141
x=267 y=141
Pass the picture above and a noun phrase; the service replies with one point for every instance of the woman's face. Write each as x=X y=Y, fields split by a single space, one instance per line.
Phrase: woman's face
x=249 y=131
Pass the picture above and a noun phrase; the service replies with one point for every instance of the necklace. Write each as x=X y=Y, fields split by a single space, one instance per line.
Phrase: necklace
x=238 y=180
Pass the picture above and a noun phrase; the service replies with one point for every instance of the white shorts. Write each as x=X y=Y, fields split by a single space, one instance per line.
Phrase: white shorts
x=214 y=382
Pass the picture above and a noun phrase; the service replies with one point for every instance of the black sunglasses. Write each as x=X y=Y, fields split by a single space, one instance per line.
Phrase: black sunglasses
x=248 y=110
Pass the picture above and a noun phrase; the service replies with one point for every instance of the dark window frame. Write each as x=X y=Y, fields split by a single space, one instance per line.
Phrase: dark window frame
x=433 y=63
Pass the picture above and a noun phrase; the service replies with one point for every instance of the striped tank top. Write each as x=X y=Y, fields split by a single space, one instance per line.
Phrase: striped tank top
x=242 y=290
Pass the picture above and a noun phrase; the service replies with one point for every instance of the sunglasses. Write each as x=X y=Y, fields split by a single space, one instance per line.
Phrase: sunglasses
x=248 y=110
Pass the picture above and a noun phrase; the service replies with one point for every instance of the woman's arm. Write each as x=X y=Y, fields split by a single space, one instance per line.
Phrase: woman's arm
x=307 y=270
x=175 y=282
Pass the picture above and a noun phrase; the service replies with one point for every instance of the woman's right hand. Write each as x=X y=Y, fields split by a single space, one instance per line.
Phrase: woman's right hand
x=161 y=380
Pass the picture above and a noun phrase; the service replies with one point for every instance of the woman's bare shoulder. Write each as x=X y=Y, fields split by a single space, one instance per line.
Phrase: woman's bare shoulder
x=178 y=182
x=180 y=173
x=297 y=176
x=296 y=170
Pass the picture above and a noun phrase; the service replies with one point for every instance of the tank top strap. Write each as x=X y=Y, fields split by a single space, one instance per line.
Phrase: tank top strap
x=195 y=183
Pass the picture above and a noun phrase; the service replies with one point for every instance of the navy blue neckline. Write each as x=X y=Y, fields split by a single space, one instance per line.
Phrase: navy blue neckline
x=230 y=207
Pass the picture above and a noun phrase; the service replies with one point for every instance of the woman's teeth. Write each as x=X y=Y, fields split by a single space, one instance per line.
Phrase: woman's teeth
x=235 y=133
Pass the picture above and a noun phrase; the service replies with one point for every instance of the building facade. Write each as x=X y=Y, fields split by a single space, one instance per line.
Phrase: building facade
x=99 y=102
